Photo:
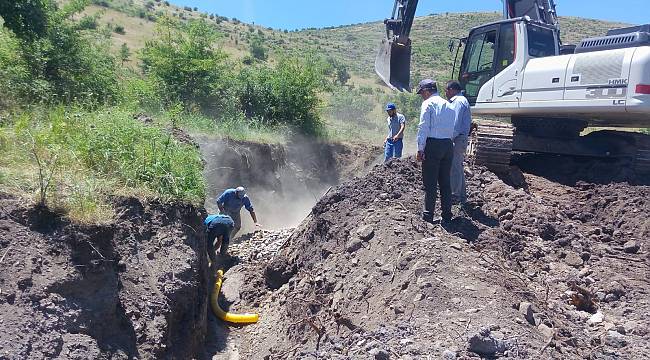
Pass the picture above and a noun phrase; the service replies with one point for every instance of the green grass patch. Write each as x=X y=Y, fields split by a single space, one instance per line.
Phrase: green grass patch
x=75 y=160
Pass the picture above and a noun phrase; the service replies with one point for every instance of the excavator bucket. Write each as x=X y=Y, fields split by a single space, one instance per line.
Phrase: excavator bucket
x=393 y=64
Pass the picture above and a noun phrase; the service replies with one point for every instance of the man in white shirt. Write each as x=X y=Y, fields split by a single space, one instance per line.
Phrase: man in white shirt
x=435 y=149
x=462 y=130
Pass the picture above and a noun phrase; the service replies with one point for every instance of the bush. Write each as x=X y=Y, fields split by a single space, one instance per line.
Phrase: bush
x=186 y=68
x=284 y=95
x=257 y=49
x=102 y=3
x=119 y=29
x=87 y=23
x=15 y=81
x=64 y=63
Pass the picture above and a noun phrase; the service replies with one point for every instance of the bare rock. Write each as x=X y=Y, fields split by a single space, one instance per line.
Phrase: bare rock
x=449 y=355
x=379 y=354
x=596 y=318
x=572 y=259
x=615 y=340
x=526 y=309
x=366 y=232
x=631 y=247
x=485 y=344
x=354 y=245
x=546 y=331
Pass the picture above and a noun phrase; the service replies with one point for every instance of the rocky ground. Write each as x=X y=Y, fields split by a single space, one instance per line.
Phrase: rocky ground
x=135 y=288
x=551 y=269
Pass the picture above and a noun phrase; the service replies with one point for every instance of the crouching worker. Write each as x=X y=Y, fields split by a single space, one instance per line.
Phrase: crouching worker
x=218 y=228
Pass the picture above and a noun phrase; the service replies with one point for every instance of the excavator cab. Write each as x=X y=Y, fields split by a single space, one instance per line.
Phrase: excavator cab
x=489 y=49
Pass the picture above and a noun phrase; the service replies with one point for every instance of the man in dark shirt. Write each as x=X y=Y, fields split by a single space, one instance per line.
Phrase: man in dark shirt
x=218 y=228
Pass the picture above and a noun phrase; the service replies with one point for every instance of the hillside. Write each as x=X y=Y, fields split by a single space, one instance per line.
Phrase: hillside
x=354 y=46
x=353 y=112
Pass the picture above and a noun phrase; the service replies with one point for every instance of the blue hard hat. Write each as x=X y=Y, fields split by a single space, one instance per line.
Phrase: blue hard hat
x=391 y=106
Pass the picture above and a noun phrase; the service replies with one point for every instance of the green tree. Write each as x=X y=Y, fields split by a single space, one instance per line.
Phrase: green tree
x=285 y=95
x=14 y=73
x=257 y=48
x=125 y=53
x=59 y=53
x=186 y=67
x=28 y=19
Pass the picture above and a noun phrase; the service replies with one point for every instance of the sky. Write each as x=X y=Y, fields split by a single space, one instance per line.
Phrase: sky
x=298 y=14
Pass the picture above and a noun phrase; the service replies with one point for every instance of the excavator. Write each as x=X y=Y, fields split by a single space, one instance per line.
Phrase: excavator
x=519 y=68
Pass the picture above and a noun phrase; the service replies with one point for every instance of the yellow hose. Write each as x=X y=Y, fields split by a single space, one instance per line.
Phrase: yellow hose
x=226 y=316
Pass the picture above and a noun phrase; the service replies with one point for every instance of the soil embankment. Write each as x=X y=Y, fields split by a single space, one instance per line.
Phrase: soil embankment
x=544 y=271
x=136 y=288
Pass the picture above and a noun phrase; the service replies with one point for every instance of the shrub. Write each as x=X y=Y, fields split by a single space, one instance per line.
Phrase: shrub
x=125 y=53
x=15 y=81
x=284 y=95
x=102 y=3
x=119 y=29
x=64 y=64
x=87 y=23
x=186 y=67
x=257 y=49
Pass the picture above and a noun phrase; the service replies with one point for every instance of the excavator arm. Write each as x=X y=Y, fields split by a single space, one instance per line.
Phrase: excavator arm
x=393 y=62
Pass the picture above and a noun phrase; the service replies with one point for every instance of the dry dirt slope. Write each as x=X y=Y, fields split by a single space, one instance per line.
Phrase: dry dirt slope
x=135 y=288
x=547 y=271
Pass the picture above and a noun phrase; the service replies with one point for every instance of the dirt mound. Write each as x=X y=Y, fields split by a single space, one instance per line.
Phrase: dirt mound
x=134 y=288
x=544 y=271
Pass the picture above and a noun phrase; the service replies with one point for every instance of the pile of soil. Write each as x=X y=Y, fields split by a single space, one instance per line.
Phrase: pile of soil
x=135 y=288
x=546 y=270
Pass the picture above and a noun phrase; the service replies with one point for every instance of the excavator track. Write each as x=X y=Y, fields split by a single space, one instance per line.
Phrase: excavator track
x=491 y=145
x=642 y=160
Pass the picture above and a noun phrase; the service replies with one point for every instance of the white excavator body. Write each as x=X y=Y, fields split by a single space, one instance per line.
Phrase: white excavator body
x=609 y=88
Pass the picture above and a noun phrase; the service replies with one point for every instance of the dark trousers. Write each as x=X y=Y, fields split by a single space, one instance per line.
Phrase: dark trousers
x=436 y=171
x=214 y=232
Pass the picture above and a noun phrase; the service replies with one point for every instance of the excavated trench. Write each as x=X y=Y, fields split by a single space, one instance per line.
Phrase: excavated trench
x=138 y=287
x=360 y=277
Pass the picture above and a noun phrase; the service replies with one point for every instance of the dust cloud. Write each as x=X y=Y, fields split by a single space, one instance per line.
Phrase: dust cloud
x=283 y=182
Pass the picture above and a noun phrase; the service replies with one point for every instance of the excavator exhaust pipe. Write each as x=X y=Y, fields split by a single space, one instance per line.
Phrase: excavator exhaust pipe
x=393 y=64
